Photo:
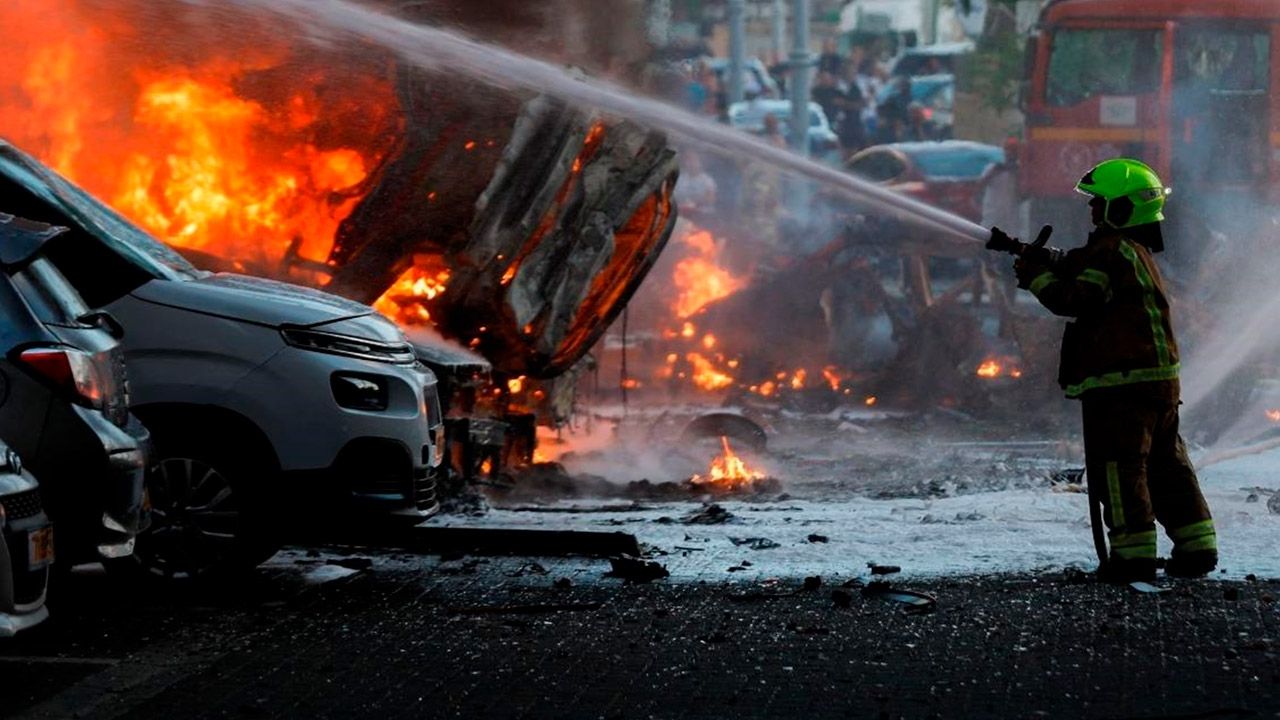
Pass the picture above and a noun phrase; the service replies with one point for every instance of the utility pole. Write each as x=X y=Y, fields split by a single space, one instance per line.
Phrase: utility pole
x=800 y=64
x=779 y=29
x=737 y=48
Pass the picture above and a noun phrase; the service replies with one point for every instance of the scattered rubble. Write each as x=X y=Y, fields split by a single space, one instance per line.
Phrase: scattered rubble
x=635 y=569
x=712 y=514
x=755 y=543
x=816 y=538
x=877 y=569
x=916 y=601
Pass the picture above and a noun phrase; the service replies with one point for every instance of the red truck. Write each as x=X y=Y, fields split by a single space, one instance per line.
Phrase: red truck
x=1184 y=85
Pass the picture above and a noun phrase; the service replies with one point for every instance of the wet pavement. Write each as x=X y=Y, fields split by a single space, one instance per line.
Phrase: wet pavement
x=352 y=633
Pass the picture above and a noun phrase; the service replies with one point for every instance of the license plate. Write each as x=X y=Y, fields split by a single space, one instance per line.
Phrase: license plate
x=39 y=548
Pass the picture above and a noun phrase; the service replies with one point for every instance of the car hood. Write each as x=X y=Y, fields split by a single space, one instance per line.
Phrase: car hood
x=252 y=299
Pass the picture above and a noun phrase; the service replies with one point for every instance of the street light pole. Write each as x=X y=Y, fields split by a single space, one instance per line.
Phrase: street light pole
x=737 y=48
x=800 y=64
x=779 y=19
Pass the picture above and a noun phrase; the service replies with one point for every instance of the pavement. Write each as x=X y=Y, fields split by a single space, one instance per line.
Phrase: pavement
x=355 y=632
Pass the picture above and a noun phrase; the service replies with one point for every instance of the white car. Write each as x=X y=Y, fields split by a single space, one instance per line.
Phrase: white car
x=26 y=548
x=268 y=403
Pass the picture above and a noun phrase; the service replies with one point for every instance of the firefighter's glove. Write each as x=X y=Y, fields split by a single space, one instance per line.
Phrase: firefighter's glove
x=1027 y=270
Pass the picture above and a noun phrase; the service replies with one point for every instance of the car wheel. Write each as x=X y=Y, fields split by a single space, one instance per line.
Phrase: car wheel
x=205 y=517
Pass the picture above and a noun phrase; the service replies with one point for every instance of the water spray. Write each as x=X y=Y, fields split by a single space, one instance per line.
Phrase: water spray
x=434 y=48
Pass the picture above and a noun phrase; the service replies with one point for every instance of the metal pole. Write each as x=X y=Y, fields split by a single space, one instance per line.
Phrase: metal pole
x=779 y=29
x=737 y=48
x=800 y=64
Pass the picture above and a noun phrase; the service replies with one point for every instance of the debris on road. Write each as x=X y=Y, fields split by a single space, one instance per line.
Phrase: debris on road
x=563 y=583
x=916 y=601
x=816 y=538
x=634 y=569
x=813 y=582
x=755 y=543
x=1145 y=587
x=841 y=598
x=712 y=514
x=877 y=569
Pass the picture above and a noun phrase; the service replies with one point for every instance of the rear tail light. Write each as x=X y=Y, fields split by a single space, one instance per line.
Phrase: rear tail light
x=75 y=372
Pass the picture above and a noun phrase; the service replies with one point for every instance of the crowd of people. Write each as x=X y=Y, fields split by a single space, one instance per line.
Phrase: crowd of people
x=850 y=88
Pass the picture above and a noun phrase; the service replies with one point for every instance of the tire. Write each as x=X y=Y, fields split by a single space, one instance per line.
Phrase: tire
x=210 y=513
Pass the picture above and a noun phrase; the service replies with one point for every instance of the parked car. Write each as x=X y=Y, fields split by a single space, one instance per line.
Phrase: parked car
x=931 y=59
x=63 y=399
x=937 y=96
x=946 y=174
x=269 y=403
x=26 y=547
x=749 y=115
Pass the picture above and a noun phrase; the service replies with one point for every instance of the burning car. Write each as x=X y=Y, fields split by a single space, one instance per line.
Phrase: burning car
x=268 y=401
x=64 y=399
x=26 y=547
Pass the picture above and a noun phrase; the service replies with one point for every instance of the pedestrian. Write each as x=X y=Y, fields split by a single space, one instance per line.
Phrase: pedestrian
x=1120 y=359
x=827 y=94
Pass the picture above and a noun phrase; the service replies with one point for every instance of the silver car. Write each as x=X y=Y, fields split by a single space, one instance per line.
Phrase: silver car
x=26 y=548
x=269 y=404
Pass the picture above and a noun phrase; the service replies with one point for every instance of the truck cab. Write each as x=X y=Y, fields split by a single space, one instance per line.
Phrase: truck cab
x=1184 y=86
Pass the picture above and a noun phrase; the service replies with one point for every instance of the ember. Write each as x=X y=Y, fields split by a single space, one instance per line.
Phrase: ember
x=728 y=471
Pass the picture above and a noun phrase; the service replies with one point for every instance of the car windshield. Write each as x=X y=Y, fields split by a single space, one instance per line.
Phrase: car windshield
x=123 y=237
x=955 y=164
x=1086 y=63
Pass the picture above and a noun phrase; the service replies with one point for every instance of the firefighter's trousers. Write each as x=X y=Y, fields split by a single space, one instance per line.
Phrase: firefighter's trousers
x=1137 y=465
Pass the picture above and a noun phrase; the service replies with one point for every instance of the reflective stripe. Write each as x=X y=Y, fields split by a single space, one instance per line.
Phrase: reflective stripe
x=1196 y=536
x=1043 y=279
x=1134 y=546
x=1113 y=487
x=1149 y=300
x=1097 y=277
x=1124 y=377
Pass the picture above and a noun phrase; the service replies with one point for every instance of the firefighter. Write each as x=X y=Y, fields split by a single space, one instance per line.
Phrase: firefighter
x=1120 y=359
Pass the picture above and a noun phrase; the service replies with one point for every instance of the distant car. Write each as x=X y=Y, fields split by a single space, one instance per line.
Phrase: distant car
x=749 y=115
x=937 y=95
x=931 y=59
x=26 y=547
x=64 y=399
x=946 y=174
x=272 y=405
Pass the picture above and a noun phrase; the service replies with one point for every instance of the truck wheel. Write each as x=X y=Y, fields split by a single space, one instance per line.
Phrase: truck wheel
x=209 y=513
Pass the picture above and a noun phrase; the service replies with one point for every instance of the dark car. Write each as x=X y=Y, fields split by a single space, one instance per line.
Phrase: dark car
x=63 y=401
x=26 y=547
x=945 y=174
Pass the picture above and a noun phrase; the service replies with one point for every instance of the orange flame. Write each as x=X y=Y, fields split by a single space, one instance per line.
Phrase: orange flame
x=989 y=369
x=728 y=471
x=1273 y=416
x=699 y=279
x=405 y=300
x=204 y=145
x=706 y=375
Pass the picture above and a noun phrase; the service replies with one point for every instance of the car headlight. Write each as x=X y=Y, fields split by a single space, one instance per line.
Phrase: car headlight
x=346 y=345
x=360 y=392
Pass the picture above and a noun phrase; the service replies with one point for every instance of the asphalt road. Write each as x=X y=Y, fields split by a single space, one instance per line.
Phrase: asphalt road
x=403 y=636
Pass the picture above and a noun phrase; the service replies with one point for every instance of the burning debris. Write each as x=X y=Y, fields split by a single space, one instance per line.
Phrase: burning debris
x=728 y=472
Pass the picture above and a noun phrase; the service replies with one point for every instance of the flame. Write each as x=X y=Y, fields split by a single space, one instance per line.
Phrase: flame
x=728 y=471
x=516 y=385
x=870 y=400
x=989 y=369
x=1273 y=416
x=688 y=330
x=698 y=278
x=405 y=301
x=994 y=368
x=798 y=378
x=706 y=375
x=207 y=145
x=832 y=376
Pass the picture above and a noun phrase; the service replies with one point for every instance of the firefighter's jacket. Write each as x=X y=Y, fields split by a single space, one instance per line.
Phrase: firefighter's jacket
x=1122 y=332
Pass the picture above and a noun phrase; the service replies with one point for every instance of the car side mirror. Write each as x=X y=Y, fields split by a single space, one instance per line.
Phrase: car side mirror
x=105 y=320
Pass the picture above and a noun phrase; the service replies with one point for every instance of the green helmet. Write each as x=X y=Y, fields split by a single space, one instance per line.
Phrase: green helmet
x=1133 y=192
